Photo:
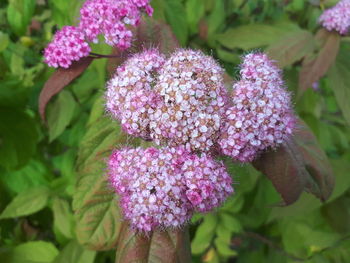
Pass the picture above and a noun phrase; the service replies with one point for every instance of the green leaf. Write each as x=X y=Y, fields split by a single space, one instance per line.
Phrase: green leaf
x=291 y=47
x=19 y=14
x=340 y=82
x=27 y=203
x=204 y=234
x=63 y=217
x=175 y=15
x=96 y=208
x=315 y=67
x=230 y=223
x=4 y=41
x=75 y=253
x=61 y=114
x=254 y=35
x=171 y=246
x=216 y=18
x=31 y=252
x=32 y=175
x=298 y=165
x=18 y=138
x=194 y=11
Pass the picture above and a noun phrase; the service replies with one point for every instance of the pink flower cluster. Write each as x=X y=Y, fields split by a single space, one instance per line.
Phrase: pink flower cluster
x=181 y=100
x=163 y=187
x=193 y=100
x=181 y=103
x=337 y=18
x=130 y=96
x=261 y=114
x=68 y=45
x=111 y=18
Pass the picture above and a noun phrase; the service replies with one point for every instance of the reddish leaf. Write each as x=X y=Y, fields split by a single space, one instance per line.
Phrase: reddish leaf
x=298 y=165
x=59 y=79
x=171 y=246
x=313 y=68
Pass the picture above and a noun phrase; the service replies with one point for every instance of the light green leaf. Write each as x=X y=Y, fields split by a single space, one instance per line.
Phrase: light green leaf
x=194 y=11
x=32 y=175
x=27 y=203
x=63 y=217
x=216 y=18
x=19 y=14
x=31 y=252
x=4 y=41
x=175 y=15
x=75 y=253
x=254 y=35
x=339 y=80
x=230 y=223
x=61 y=114
x=204 y=234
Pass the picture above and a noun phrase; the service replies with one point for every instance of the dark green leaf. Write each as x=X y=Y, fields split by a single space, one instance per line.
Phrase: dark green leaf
x=18 y=138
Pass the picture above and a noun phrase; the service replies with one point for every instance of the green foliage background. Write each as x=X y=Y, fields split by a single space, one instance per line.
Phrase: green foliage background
x=40 y=164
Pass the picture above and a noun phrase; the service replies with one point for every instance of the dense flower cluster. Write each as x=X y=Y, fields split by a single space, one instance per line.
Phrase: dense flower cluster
x=163 y=187
x=337 y=18
x=193 y=100
x=111 y=18
x=261 y=115
x=181 y=103
x=130 y=97
x=68 y=45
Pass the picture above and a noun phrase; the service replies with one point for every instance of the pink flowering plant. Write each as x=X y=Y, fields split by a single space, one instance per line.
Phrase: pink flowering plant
x=199 y=122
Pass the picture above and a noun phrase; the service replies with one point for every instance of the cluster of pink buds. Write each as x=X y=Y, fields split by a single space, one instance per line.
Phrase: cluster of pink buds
x=337 y=18
x=181 y=104
x=68 y=45
x=164 y=187
x=110 y=18
x=261 y=114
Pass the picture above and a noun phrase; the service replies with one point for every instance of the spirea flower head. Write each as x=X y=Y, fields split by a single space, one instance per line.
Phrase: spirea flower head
x=130 y=97
x=68 y=45
x=193 y=100
x=261 y=115
x=258 y=67
x=337 y=18
x=111 y=19
x=163 y=187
